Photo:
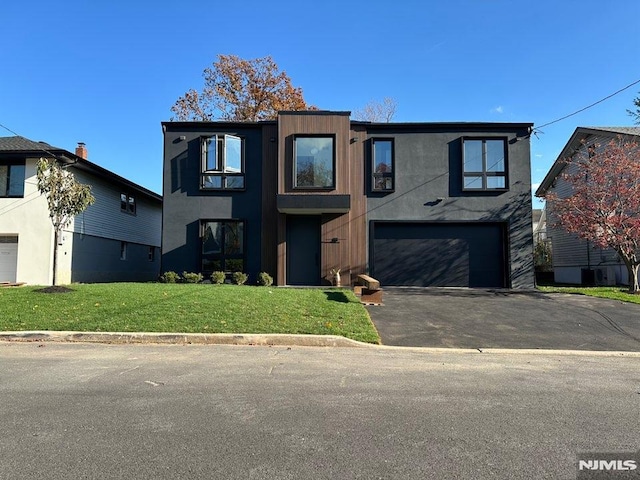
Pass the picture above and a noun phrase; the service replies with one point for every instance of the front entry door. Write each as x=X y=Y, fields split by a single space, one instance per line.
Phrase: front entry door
x=303 y=250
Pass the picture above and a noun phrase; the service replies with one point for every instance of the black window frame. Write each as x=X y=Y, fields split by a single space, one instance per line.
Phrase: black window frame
x=383 y=175
x=9 y=163
x=223 y=257
x=219 y=171
x=129 y=204
x=485 y=174
x=294 y=165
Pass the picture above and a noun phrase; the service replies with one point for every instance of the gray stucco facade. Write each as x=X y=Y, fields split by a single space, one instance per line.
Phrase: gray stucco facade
x=186 y=206
x=429 y=188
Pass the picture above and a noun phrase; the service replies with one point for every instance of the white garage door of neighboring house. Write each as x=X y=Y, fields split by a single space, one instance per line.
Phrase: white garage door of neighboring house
x=8 y=258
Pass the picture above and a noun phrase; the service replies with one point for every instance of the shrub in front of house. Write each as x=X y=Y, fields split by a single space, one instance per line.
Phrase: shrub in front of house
x=264 y=279
x=191 y=277
x=240 y=278
x=218 y=278
x=169 y=277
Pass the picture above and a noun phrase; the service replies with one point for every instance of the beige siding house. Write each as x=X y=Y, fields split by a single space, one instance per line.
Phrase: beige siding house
x=115 y=239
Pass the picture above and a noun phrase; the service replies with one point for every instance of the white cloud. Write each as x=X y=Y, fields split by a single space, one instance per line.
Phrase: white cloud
x=498 y=109
x=538 y=155
x=534 y=186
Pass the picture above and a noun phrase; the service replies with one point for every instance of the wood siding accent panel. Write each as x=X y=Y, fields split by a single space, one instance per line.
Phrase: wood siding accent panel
x=104 y=218
x=343 y=236
x=281 y=278
x=358 y=213
x=269 y=241
x=291 y=125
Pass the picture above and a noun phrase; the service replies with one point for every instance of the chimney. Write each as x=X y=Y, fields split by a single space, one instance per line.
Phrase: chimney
x=81 y=150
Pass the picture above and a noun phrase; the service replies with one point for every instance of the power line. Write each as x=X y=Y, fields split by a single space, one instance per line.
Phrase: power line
x=587 y=107
x=40 y=147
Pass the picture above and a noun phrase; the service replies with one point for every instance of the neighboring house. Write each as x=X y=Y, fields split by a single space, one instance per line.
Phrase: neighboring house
x=423 y=204
x=115 y=239
x=578 y=261
x=539 y=225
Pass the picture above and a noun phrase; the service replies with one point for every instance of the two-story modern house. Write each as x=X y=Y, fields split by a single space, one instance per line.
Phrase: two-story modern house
x=416 y=204
x=115 y=239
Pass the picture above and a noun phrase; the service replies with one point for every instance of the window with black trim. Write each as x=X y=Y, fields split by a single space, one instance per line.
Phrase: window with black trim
x=222 y=163
x=382 y=157
x=314 y=160
x=12 y=178
x=127 y=203
x=223 y=246
x=484 y=164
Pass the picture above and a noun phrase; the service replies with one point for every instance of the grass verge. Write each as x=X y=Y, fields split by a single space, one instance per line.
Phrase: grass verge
x=154 y=307
x=613 y=293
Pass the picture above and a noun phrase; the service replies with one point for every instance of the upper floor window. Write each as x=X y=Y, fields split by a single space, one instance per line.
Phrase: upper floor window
x=11 y=178
x=484 y=164
x=222 y=162
x=382 y=167
x=314 y=161
x=127 y=203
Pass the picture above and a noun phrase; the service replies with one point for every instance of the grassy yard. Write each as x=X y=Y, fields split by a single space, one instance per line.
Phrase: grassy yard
x=614 y=293
x=188 y=308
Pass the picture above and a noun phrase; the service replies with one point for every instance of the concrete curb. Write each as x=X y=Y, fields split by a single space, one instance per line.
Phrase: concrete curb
x=275 y=339
x=183 y=338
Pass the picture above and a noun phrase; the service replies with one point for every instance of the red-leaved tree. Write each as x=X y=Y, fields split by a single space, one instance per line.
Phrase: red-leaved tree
x=240 y=90
x=604 y=206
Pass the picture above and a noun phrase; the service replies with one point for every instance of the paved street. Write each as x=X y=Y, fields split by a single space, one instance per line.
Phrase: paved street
x=148 y=411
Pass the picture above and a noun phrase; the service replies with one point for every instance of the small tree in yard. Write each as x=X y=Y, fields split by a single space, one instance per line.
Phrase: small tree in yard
x=604 y=206
x=66 y=198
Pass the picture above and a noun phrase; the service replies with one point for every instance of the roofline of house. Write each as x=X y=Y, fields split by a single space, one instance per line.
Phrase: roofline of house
x=83 y=164
x=469 y=125
x=569 y=149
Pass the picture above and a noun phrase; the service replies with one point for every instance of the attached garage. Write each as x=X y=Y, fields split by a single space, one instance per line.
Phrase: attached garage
x=8 y=258
x=439 y=254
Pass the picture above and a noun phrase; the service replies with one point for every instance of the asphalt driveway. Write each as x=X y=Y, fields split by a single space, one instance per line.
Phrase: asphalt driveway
x=484 y=318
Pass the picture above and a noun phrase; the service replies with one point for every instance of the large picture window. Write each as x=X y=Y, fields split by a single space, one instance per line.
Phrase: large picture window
x=11 y=178
x=314 y=162
x=382 y=164
x=222 y=162
x=484 y=164
x=223 y=246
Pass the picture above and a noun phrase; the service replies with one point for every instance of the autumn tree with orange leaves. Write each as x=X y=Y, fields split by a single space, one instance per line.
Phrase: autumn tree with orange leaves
x=240 y=90
x=604 y=206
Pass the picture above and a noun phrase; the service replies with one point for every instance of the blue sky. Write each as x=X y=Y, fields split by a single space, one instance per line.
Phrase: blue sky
x=107 y=73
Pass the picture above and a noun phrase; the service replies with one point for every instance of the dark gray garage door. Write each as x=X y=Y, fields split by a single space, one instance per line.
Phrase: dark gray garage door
x=439 y=254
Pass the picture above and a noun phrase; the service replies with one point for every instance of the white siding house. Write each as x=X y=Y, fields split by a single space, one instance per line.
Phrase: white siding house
x=111 y=241
x=577 y=261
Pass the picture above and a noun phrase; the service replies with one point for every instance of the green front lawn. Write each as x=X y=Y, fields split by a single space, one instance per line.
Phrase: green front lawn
x=187 y=308
x=613 y=293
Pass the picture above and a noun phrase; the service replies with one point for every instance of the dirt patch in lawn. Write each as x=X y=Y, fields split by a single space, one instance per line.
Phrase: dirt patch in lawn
x=54 y=289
